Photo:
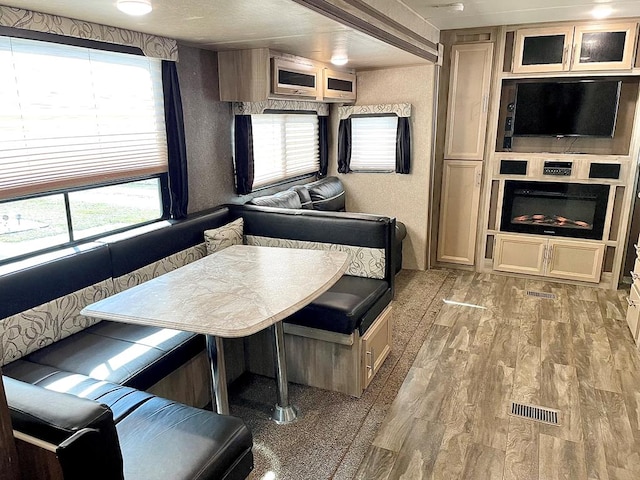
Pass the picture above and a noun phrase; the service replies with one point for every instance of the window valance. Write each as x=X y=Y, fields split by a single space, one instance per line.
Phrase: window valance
x=257 y=108
x=151 y=45
x=402 y=110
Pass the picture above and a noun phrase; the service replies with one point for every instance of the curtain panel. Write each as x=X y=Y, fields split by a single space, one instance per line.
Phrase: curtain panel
x=344 y=146
x=403 y=146
x=323 y=140
x=243 y=141
x=176 y=143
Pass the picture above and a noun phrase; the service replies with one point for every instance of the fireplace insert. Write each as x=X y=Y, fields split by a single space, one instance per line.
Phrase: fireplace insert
x=555 y=208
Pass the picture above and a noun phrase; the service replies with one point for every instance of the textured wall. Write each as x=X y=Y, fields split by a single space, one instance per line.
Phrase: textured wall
x=405 y=197
x=207 y=123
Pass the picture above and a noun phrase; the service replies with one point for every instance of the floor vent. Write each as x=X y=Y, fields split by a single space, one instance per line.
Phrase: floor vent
x=539 y=414
x=548 y=296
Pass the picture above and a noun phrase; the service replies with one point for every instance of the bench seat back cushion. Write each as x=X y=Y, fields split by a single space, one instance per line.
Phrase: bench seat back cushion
x=132 y=355
x=366 y=239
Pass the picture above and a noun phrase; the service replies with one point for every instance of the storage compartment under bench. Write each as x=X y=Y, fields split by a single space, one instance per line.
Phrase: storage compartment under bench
x=319 y=358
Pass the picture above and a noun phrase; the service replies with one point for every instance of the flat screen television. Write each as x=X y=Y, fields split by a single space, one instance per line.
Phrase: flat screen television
x=566 y=108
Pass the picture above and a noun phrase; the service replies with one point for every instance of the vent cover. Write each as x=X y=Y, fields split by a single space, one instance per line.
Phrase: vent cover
x=548 y=296
x=532 y=412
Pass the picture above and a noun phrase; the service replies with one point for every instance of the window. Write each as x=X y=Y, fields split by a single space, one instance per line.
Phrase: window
x=373 y=143
x=83 y=146
x=284 y=146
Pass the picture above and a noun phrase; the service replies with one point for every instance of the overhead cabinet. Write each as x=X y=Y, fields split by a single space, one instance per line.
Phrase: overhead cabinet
x=259 y=74
x=607 y=46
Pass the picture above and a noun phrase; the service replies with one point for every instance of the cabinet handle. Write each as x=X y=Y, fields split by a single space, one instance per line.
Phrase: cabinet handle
x=478 y=178
x=485 y=103
x=631 y=303
x=371 y=365
x=565 y=54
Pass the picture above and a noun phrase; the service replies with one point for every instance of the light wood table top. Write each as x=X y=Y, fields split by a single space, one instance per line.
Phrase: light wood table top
x=233 y=293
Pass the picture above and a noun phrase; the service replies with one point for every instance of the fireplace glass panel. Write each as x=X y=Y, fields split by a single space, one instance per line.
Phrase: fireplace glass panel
x=559 y=209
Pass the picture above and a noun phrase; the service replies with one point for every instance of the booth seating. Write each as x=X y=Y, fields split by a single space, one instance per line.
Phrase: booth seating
x=75 y=369
x=326 y=194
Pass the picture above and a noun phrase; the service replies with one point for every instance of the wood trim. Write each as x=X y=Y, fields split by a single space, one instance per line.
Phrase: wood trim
x=318 y=334
x=9 y=469
x=345 y=18
x=368 y=9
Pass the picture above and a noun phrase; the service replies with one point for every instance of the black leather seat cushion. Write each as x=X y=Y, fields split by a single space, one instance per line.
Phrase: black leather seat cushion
x=342 y=308
x=164 y=439
x=131 y=355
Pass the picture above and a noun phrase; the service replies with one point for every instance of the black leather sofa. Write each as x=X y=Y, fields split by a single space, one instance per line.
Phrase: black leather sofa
x=326 y=194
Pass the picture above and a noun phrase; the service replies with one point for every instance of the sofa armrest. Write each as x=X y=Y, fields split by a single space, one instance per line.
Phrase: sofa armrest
x=81 y=431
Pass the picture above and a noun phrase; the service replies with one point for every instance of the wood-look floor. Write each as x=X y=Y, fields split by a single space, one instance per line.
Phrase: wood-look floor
x=574 y=354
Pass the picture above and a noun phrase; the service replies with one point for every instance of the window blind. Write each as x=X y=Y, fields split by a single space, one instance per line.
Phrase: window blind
x=373 y=143
x=284 y=146
x=72 y=116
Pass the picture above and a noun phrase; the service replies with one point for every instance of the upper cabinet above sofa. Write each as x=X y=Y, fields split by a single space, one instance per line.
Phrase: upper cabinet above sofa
x=259 y=74
x=605 y=46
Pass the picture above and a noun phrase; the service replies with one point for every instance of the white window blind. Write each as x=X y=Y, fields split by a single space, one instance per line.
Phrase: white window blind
x=284 y=146
x=72 y=116
x=373 y=143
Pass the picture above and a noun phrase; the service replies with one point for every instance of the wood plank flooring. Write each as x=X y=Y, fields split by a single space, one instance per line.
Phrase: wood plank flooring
x=492 y=344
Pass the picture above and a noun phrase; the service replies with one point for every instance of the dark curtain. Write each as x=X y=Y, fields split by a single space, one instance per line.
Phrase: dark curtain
x=243 y=138
x=344 y=146
x=176 y=145
x=403 y=146
x=323 y=138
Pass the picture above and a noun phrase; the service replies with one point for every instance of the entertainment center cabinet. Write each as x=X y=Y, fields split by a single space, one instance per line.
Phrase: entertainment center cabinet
x=549 y=205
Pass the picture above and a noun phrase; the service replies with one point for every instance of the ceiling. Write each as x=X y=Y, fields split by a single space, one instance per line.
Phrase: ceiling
x=291 y=28
x=512 y=12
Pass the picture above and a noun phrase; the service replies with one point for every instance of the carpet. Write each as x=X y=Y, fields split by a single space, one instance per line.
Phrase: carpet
x=334 y=431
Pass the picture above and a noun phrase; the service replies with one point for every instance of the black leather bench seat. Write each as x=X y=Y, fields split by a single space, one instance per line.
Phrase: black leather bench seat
x=345 y=305
x=131 y=355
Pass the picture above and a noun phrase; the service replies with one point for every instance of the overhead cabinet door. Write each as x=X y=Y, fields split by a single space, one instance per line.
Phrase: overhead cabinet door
x=604 y=47
x=468 y=101
x=542 y=49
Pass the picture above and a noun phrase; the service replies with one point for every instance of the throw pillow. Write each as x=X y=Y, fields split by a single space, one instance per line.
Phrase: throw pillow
x=222 y=237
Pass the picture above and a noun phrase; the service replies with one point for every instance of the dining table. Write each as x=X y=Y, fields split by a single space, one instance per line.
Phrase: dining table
x=234 y=292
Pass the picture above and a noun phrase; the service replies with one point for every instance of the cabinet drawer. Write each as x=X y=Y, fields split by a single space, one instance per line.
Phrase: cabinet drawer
x=376 y=345
x=633 y=312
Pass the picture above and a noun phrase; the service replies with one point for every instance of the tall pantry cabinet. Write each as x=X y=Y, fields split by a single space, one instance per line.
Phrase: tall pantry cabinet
x=467 y=112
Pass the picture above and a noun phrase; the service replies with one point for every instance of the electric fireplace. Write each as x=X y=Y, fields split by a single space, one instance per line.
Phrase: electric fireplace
x=554 y=208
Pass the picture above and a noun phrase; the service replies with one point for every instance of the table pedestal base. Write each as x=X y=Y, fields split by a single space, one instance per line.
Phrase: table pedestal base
x=284 y=412
x=284 y=415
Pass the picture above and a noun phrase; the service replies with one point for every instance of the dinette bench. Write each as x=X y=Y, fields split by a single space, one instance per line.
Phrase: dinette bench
x=48 y=346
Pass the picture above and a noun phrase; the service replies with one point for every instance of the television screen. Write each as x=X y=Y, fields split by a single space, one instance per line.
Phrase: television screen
x=573 y=108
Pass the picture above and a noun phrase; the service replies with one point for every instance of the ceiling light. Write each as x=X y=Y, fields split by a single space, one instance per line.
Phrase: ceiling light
x=339 y=59
x=134 y=7
x=601 y=11
x=451 y=7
